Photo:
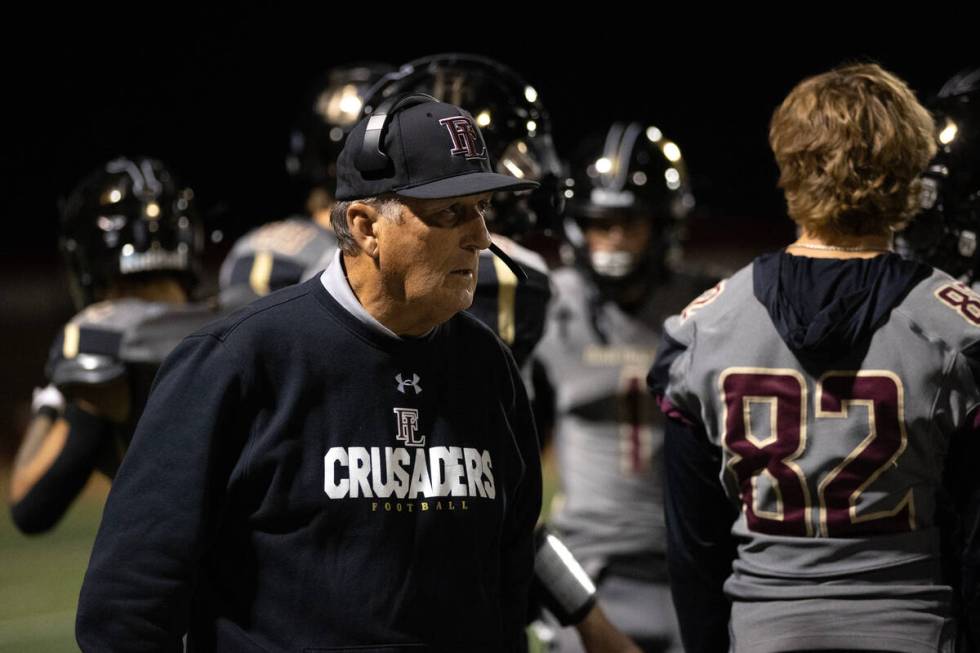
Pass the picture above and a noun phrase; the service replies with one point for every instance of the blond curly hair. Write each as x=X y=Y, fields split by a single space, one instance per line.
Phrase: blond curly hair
x=850 y=145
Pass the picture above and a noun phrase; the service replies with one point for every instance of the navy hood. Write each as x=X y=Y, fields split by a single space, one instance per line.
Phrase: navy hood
x=823 y=305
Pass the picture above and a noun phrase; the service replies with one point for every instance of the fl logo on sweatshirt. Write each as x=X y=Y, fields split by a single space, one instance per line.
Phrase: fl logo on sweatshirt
x=409 y=469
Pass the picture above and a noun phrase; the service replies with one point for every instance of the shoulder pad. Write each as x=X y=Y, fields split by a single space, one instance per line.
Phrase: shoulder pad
x=514 y=310
x=152 y=339
x=946 y=308
x=275 y=255
x=712 y=304
x=86 y=350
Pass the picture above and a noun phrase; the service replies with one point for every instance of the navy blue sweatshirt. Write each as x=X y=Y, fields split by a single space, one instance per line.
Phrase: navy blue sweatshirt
x=299 y=481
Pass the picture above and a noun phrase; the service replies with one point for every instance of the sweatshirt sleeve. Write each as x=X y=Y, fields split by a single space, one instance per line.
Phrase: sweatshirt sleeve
x=517 y=569
x=158 y=519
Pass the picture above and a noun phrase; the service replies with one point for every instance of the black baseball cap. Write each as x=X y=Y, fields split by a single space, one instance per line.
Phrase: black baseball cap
x=431 y=150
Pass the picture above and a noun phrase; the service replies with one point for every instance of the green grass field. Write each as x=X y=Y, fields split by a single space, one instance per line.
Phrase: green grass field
x=40 y=576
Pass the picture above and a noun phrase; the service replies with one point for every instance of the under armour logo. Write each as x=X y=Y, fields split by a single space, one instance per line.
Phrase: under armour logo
x=413 y=383
x=466 y=139
x=407 y=427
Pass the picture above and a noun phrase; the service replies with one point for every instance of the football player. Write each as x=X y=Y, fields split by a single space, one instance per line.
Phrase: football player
x=132 y=240
x=823 y=403
x=629 y=195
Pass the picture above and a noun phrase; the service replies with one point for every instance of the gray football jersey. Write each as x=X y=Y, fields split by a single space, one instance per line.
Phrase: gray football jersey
x=95 y=346
x=122 y=340
x=608 y=431
x=835 y=465
x=276 y=255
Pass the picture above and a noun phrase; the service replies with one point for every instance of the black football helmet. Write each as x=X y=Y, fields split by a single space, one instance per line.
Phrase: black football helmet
x=945 y=233
x=632 y=171
x=130 y=217
x=514 y=123
x=332 y=108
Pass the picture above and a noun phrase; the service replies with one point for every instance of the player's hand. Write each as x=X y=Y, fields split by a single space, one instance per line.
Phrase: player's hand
x=600 y=636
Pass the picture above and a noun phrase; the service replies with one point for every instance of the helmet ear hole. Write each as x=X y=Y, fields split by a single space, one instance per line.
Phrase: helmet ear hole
x=124 y=220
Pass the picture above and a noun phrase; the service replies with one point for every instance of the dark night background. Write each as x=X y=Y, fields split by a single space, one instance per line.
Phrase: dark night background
x=213 y=93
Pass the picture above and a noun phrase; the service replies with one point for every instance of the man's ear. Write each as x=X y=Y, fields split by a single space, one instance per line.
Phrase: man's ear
x=362 y=219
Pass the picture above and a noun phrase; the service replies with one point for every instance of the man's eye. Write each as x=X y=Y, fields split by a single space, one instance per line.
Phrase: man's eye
x=458 y=212
x=446 y=216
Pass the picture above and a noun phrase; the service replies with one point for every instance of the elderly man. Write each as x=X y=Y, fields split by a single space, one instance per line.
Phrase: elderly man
x=346 y=464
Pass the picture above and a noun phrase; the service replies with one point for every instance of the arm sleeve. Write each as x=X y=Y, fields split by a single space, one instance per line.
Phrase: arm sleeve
x=543 y=402
x=159 y=516
x=667 y=379
x=517 y=568
x=55 y=490
x=700 y=547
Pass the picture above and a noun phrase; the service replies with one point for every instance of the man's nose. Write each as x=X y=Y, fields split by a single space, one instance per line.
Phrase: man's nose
x=477 y=234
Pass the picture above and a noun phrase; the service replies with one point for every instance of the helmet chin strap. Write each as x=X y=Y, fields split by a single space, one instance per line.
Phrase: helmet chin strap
x=509 y=262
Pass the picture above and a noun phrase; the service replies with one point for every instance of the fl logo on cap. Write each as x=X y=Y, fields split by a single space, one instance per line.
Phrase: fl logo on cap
x=466 y=139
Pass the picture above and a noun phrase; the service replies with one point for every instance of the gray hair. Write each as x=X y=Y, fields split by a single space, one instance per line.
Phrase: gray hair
x=388 y=205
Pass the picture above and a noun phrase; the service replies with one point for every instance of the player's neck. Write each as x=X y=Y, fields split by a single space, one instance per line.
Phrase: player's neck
x=322 y=219
x=158 y=290
x=818 y=246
